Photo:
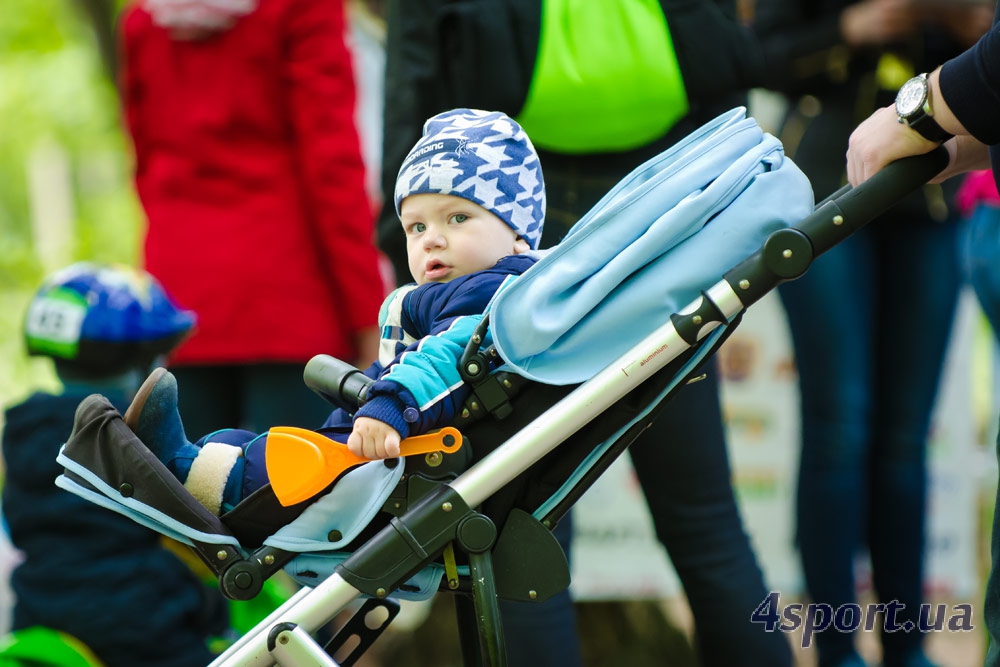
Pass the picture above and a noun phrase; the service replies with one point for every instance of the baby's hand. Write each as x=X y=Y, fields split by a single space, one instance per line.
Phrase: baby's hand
x=373 y=439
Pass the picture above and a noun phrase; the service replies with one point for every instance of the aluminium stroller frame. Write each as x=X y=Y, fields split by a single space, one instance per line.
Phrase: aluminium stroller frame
x=446 y=514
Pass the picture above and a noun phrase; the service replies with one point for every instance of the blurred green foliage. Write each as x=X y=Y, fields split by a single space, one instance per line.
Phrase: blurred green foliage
x=55 y=95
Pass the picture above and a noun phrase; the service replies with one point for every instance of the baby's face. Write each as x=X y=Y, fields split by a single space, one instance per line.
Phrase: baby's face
x=448 y=237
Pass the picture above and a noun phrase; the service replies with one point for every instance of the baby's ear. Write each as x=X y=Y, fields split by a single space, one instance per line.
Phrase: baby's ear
x=521 y=246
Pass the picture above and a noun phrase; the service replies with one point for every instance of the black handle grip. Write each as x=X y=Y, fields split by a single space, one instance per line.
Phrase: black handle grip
x=894 y=182
x=853 y=208
x=788 y=253
x=337 y=381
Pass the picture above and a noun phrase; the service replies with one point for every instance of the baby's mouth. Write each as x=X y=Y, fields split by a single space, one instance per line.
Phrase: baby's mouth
x=435 y=270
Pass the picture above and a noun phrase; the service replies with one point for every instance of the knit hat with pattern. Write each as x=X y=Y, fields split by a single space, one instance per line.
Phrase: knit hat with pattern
x=481 y=156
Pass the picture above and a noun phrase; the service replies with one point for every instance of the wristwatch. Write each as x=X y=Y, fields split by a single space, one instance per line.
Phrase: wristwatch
x=913 y=107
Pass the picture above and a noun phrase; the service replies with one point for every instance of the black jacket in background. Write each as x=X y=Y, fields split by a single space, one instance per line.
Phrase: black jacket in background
x=443 y=54
x=806 y=55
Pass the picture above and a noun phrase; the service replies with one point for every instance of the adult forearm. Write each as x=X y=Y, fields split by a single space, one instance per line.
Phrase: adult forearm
x=965 y=151
x=881 y=139
x=969 y=84
x=943 y=114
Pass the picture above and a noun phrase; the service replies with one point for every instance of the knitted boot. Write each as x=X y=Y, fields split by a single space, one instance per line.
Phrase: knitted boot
x=154 y=418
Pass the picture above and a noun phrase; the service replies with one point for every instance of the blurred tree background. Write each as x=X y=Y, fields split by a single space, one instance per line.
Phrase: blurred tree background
x=65 y=163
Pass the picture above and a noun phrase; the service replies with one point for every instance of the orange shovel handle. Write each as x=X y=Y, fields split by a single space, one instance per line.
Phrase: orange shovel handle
x=447 y=440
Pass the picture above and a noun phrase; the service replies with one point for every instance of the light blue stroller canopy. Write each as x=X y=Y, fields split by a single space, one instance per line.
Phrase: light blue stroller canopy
x=648 y=248
x=665 y=233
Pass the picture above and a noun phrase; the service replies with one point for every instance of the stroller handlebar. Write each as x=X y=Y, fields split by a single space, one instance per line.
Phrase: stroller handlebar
x=889 y=185
x=854 y=207
x=337 y=381
x=788 y=252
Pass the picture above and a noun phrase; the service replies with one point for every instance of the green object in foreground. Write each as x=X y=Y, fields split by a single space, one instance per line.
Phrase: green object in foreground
x=244 y=615
x=44 y=647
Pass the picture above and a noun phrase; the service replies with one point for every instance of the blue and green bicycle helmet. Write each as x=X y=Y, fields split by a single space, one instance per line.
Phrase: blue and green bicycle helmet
x=104 y=318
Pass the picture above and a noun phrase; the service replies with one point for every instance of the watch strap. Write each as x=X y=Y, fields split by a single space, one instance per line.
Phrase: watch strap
x=929 y=128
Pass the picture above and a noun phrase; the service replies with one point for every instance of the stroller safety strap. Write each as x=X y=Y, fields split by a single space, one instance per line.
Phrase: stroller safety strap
x=647 y=249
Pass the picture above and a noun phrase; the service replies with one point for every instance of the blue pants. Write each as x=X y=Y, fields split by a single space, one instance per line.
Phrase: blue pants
x=980 y=252
x=980 y=256
x=870 y=322
x=682 y=466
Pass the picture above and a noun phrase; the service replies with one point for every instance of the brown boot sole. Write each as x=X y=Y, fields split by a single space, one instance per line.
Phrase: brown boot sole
x=135 y=408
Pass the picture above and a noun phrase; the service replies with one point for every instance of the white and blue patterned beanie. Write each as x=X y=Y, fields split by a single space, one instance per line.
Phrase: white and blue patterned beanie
x=481 y=156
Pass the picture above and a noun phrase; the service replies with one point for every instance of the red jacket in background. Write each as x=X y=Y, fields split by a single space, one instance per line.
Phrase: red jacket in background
x=249 y=169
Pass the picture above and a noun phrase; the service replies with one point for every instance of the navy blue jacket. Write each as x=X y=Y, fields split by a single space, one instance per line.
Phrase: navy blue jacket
x=88 y=571
x=971 y=85
x=434 y=323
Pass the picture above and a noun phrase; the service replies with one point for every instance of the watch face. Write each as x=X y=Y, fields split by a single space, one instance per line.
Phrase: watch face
x=911 y=97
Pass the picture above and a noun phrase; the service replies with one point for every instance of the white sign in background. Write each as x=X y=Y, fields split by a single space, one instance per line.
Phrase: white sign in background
x=616 y=556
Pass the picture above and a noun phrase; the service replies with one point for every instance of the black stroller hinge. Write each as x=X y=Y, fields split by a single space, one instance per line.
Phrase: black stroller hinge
x=491 y=392
x=693 y=324
x=476 y=533
x=403 y=547
x=785 y=255
x=244 y=579
x=788 y=253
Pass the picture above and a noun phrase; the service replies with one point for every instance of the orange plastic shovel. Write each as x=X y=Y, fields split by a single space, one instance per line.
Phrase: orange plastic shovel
x=301 y=463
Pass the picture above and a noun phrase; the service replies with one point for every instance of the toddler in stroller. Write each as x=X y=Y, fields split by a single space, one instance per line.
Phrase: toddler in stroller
x=471 y=200
x=608 y=325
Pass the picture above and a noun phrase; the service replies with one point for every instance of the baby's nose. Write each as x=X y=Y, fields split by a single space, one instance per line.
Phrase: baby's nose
x=434 y=239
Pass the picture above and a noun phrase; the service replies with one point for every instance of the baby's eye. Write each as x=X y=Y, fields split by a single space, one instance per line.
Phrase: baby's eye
x=416 y=228
x=459 y=218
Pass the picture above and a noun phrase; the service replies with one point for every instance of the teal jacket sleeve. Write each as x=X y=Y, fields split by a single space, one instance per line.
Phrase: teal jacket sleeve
x=424 y=389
